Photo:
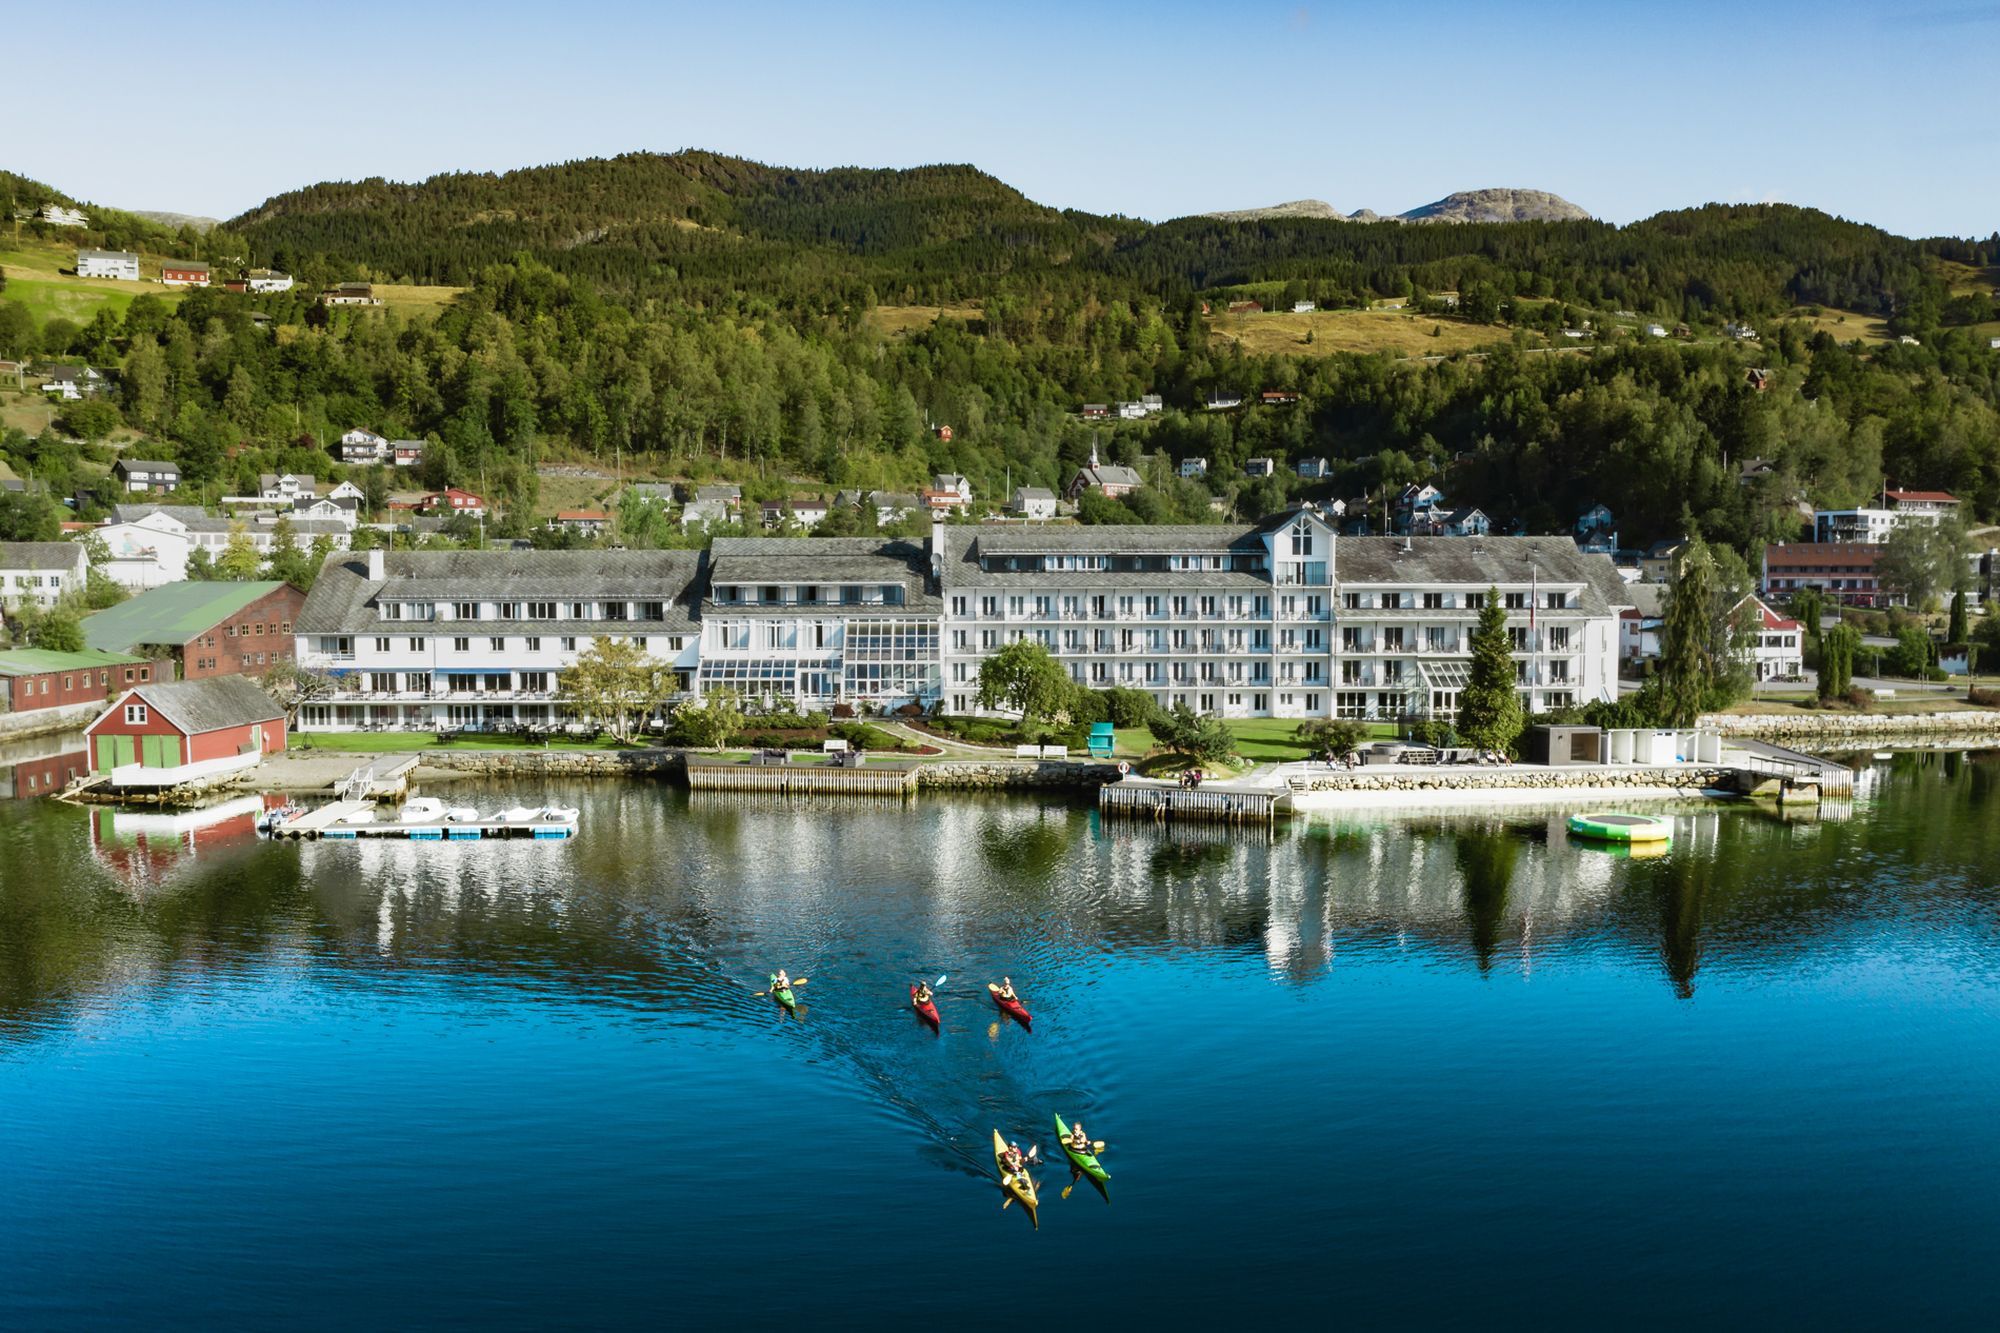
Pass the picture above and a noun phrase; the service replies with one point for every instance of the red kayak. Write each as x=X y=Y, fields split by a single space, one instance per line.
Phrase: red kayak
x=1013 y=1008
x=926 y=1011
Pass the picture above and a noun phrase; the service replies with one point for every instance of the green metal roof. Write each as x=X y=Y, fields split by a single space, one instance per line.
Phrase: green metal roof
x=172 y=615
x=34 y=661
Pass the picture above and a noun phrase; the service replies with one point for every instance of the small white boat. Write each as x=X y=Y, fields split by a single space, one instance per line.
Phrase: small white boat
x=1885 y=754
x=560 y=814
x=422 y=810
x=359 y=817
x=461 y=814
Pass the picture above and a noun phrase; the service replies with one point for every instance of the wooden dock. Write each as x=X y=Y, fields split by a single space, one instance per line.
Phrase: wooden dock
x=878 y=779
x=1209 y=803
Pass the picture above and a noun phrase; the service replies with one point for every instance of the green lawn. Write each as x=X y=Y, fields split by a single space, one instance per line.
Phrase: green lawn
x=402 y=742
x=1261 y=740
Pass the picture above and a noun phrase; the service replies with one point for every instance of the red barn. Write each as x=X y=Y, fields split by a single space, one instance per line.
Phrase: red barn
x=175 y=732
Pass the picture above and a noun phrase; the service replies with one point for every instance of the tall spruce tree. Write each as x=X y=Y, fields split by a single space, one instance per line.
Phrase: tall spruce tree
x=1489 y=709
x=1687 y=664
x=1957 y=632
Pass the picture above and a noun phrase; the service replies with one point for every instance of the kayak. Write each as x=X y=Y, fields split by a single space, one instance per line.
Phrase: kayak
x=783 y=994
x=1021 y=1186
x=1085 y=1162
x=1013 y=1008
x=926 y=1011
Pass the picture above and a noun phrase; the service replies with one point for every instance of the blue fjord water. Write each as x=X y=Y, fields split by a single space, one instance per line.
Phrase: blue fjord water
x=1424 y=1069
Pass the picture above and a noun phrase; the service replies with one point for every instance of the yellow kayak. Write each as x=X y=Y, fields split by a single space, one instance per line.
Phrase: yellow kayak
x=1021 y=1186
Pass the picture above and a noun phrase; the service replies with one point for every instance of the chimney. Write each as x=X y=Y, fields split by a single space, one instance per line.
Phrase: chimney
x=376 y=572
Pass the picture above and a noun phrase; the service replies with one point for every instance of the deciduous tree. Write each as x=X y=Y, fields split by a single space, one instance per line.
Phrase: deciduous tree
x=1022 y=678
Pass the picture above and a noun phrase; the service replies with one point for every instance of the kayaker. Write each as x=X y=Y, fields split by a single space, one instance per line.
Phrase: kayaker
x=783 y=982
x=1007 y=989
x=1015 y=1160
x=1078 y=1139
x=923 y=995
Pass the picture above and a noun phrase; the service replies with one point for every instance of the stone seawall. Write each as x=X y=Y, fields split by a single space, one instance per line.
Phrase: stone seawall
x=47 y=721
x=1841 y=730
x=556 y=763
x=978 y=774
x=1681 y=777
x=948 y=774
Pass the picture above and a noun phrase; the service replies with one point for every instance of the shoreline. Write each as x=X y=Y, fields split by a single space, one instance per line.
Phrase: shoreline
x=1387 y=800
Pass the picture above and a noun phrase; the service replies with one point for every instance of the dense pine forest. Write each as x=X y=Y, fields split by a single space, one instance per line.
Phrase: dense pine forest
x=694 y=315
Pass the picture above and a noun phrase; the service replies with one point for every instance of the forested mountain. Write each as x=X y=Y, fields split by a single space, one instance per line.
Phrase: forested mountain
x=698 y=227
x=703 y=229
x=695 y=316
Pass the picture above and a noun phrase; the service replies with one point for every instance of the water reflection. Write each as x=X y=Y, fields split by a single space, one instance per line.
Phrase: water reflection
x=671 y=904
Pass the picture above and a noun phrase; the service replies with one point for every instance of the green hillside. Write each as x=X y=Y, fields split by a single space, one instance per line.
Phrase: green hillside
x=692 y=315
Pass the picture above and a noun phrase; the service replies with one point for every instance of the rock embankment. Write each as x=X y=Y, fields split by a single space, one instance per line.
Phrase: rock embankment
x=555 y=763
x=1835 y=730
x=1691 y=779
x=973 y=774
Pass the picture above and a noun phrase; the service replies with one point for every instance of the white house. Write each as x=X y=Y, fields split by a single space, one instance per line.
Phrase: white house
x=361 y=446
x=70 y=383
x=954 y=484
x=1223 y=401
x=1194 y=467
x=1303 y=307
x=289 y=487
x=150 y=544
x=1035 y=502
x=40 y=573
x=107 y=264
x=1259 y=467
x=346 y=490
x=1313 y=469
x=1872 y=526
x=266 y=280
x=1777 y=650
x=57 y=216
x=1150 y=403
x=1656 y=331
x=1131 y=411
x=345 y=511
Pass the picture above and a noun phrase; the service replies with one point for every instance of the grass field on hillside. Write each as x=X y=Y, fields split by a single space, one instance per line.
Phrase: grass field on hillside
x=1843 y=325
x=1271 y=333
x=415 y=300
x=895 y=320
x=35 y=281
x=30 y=412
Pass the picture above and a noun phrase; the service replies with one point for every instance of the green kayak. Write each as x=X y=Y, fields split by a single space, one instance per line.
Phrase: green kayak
x=1085 y=1162
x=783 y=994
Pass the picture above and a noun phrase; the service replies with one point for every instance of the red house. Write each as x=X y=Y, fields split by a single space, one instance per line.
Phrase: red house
x=175 y=732
x=451 y=500
x=184 y=273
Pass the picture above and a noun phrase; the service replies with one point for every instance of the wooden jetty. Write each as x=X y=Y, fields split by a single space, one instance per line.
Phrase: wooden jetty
x=1210 y=802
x=772 y=775
x=374 y=783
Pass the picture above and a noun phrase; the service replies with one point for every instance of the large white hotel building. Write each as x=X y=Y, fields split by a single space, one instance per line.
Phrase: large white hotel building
x=1278 y=619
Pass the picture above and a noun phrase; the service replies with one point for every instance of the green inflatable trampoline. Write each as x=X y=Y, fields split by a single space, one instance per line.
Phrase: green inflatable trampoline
x=1610 y=827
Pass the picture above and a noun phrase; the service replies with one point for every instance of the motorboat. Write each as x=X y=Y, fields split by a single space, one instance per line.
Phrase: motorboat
x=461 y=814
x=422 y=810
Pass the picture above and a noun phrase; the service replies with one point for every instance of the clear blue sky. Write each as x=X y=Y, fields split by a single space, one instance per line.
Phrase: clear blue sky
x=1877 y=111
